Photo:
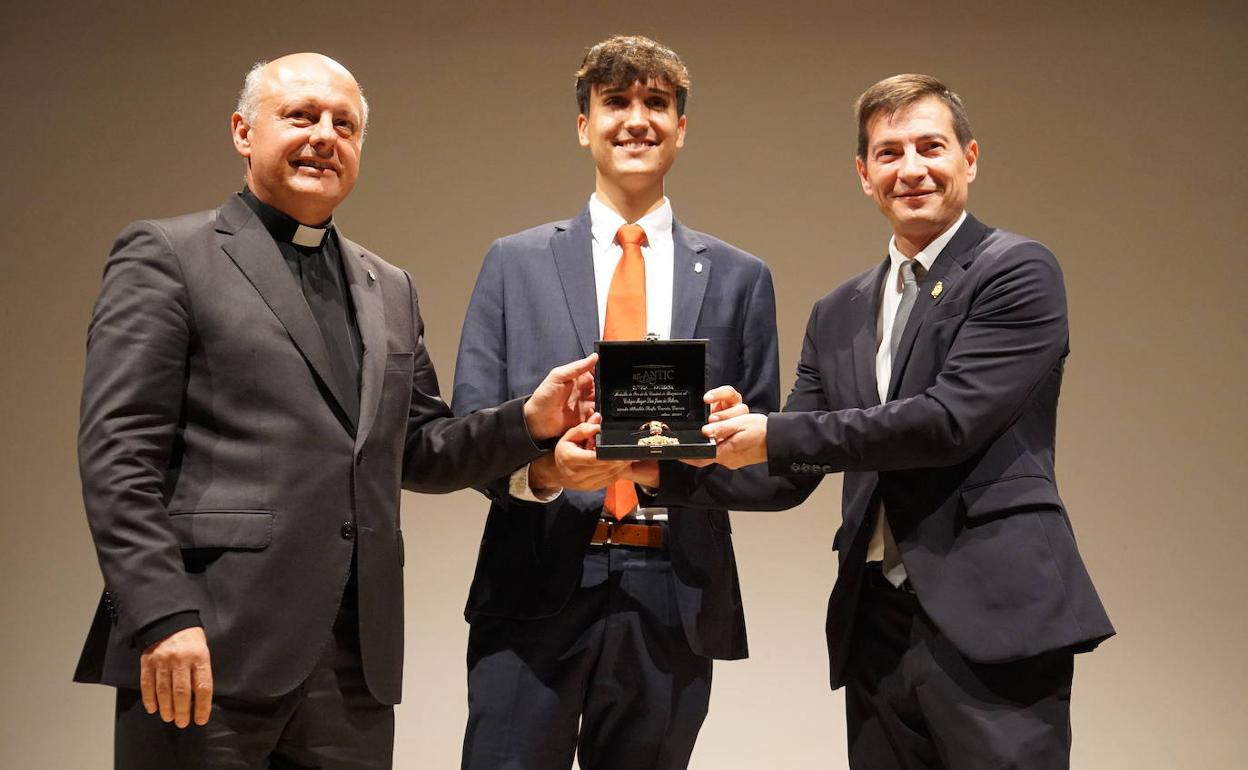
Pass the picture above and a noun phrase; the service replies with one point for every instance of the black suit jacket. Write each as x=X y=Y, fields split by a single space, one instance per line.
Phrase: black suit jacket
x=961 y=454
x=220 y=472
x=535 y=302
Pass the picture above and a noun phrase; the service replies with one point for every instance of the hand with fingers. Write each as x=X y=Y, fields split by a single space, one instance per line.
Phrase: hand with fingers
x=561 y=401
x=574 y=464
x=644 y=473
x=725 y=403
x=739 y=440
x=175 y=678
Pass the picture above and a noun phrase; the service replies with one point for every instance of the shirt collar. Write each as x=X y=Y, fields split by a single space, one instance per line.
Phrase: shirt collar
x=282 y=226
x=604 y=222
x=928 y=254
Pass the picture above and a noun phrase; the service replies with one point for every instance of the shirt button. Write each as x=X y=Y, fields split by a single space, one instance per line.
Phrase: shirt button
x=347 y=530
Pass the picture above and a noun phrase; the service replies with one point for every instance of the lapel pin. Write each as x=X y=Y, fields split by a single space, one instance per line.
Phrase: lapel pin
x=372 y=277
x=697 y=267
x=937 y=289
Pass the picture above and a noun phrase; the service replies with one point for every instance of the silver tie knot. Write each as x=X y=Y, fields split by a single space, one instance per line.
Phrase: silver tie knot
x=911 y=272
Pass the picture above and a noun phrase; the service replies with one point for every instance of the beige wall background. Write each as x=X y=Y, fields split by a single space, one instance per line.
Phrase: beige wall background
x=1113 y=131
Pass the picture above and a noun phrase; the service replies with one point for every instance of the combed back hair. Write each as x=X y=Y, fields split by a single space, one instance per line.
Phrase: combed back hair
x=894 y=94
x=621 y=60
x=249 y=97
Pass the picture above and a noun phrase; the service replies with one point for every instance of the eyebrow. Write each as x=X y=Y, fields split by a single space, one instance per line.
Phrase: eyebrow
x=651 y=90
x=304 y=103
x=922 y=137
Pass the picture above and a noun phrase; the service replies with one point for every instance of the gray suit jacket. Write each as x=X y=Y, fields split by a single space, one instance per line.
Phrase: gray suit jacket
x=535 y=302
x=220 y=472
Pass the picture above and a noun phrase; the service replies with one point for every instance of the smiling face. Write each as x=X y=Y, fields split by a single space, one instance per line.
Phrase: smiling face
x=303 y=142
x=916 y=171
x=633 y=132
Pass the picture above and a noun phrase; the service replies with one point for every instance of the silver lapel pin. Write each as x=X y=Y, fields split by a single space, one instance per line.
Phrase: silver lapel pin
x=697 y=267
x=371 y=277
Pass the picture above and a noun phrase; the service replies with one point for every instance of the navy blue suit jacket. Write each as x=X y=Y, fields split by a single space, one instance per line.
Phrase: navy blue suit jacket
x=961 y=452
x=535 y=307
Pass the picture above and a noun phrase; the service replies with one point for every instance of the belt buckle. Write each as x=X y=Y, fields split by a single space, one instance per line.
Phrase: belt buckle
x=609 y=539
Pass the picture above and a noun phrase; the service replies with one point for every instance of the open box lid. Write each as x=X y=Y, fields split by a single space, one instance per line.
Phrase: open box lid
x=649 y=393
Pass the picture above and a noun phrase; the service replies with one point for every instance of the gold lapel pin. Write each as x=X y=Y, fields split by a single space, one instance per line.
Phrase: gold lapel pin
x=697 y=267
x=937 y=289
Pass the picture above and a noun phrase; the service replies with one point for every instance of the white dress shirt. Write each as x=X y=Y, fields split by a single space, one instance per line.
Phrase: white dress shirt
x=659 y=253
x=889 y=301
x=892 y=298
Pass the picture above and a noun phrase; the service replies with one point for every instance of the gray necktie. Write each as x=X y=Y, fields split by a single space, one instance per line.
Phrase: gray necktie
x=911 y=273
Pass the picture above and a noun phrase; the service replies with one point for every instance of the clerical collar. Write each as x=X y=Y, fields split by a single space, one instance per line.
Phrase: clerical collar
x=282 y=227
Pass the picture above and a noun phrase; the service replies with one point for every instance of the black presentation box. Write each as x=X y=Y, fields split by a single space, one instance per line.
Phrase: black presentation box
x=649 y=393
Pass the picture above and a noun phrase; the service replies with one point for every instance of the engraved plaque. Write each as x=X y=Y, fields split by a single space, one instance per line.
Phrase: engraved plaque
x=649 y=393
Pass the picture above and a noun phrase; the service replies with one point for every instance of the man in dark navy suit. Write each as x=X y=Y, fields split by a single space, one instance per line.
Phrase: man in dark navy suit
x=931 y=381
x=595 y=619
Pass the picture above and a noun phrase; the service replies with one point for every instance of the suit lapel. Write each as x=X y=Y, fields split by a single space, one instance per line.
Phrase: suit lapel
x=692 y=266
x=370 y=316
x=573 y=252
x=946 y=270
x=864 y=319
x=252 y=249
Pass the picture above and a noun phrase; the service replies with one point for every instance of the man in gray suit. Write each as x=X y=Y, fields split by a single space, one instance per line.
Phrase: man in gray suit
x=256 y=392
x=594 y=619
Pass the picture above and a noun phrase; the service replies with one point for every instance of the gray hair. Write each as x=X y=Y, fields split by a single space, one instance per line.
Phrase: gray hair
x=250 y=94
x=249 y=97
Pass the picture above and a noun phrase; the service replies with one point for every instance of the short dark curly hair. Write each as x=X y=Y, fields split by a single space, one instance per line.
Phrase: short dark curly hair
x=622 y=60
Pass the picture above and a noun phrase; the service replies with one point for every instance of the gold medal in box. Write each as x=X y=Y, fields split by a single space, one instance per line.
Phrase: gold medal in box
x=649 y=393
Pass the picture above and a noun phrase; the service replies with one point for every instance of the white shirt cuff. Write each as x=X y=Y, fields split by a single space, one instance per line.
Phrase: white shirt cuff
x=518 y=487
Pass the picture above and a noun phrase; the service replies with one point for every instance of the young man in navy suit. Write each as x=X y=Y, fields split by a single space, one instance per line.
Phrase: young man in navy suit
x=931 y=381
x=594 y=620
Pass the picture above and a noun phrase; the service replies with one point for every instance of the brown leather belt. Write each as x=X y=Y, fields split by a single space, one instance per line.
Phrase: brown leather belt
x=637 y=535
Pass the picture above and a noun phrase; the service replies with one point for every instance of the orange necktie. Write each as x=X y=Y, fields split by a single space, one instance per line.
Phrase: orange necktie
x=626 y=320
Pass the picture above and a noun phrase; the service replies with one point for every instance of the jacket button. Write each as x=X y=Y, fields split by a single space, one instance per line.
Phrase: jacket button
x=795 y=467
x=347 y=530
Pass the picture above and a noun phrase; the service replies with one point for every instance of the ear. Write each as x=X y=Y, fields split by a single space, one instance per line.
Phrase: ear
x=241 y=133
x=582 y=135
x=680 y=131
x=861 y=166
x=972 y=160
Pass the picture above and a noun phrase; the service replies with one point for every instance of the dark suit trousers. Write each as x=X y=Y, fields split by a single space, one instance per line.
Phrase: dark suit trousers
x=610 y=678
x=913 y=701
x=330 y=722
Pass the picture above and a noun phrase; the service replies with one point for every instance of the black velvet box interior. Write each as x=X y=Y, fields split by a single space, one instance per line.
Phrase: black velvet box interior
x=652 y=389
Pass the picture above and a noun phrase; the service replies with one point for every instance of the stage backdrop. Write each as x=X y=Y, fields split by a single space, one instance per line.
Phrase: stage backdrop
x=1111 y=131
